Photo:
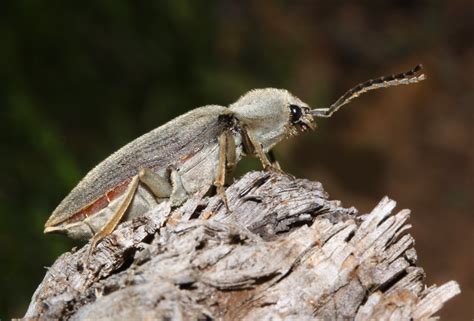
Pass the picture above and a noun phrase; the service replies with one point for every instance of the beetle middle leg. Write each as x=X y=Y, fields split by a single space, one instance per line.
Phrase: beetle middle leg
x=227 y=162
x=220 y=177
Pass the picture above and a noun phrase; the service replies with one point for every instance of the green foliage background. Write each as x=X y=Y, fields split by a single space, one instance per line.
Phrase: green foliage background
x=79 y=79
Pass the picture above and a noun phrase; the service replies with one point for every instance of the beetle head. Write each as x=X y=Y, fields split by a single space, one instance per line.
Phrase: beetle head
x=271 y=114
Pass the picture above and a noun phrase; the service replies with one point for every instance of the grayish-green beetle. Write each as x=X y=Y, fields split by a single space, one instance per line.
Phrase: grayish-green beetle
x=189 y=154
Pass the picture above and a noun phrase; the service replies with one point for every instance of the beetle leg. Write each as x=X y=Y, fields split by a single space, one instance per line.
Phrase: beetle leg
x=116 y=217
x=159 y=186
x=222 y=165
x=256 y=147
x=178 y=192
x=162 y=188
x=273 y=160
x=231 y=155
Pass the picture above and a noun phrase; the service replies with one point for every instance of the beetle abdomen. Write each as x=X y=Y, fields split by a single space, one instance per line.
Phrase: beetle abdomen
x=157 y=149
x=100 y=203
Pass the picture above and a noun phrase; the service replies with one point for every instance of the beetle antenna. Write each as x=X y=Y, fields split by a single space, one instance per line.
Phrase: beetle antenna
x=405 y=78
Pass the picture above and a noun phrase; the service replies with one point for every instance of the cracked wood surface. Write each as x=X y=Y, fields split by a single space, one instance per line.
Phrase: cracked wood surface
x=283 y=252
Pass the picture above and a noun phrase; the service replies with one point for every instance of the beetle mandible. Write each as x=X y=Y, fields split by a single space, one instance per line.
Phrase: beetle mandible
x=191 y=153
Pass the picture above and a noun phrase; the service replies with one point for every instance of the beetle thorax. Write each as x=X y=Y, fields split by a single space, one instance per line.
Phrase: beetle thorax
x=265 y=114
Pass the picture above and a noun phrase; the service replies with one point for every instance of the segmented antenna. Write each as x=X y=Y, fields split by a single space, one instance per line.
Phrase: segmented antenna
x=404 y=78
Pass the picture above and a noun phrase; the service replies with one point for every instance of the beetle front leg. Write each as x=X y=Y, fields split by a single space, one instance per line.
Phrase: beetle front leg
x=273 y=160
x=255 y=147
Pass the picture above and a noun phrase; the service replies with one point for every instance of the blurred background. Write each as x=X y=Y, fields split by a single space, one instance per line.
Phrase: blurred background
x=80 y=79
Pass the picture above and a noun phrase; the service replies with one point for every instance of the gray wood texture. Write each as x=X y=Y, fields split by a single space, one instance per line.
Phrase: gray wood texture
x=284 y=252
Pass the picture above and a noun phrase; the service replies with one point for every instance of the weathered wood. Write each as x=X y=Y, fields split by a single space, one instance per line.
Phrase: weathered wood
x=283 y=252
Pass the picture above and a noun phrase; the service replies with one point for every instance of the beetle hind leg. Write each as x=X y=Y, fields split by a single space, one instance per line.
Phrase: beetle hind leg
x=159 y=186
x=171 y=188
x=178 y=192
x=116 y=217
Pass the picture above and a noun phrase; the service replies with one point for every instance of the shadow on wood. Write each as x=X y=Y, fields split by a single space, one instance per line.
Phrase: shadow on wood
x=284 y=251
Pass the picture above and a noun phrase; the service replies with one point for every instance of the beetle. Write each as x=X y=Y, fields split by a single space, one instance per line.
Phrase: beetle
x=191 y=153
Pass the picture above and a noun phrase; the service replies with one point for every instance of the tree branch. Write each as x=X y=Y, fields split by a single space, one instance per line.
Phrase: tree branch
x=284 y=251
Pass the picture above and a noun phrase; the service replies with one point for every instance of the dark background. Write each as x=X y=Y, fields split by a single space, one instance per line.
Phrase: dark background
x=78 y=80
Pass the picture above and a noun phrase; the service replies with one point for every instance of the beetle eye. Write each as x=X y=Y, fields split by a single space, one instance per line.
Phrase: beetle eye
x=295 y=113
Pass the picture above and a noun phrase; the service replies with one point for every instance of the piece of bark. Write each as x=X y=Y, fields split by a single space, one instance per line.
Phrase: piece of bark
x=283 y=252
